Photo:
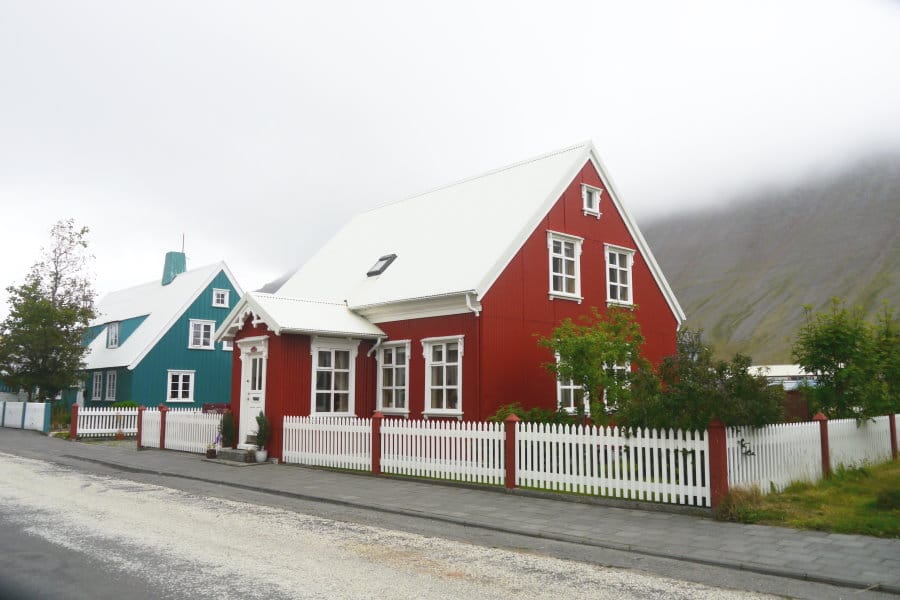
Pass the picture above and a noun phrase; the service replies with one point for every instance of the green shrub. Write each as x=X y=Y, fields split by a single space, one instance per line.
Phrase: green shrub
x=532 y=415
x=125 y=404
x=227 y=429
x=263 y=430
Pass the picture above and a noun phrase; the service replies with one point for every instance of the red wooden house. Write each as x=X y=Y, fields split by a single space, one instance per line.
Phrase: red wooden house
x=428 y=307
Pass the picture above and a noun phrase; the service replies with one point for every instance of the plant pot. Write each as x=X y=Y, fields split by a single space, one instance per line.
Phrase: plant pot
x=210 y=453
x=262 y=456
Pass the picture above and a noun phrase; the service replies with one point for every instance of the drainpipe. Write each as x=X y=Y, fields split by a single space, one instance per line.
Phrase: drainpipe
x=374 y=348
x=469 y=305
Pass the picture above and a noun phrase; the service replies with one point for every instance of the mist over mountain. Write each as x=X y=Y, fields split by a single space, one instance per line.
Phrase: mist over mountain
x=743 y=272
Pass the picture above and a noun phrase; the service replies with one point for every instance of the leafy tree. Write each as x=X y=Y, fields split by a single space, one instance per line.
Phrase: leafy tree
x=691 y=387
x=41 y=347
x=855 y=362
x=588 y=351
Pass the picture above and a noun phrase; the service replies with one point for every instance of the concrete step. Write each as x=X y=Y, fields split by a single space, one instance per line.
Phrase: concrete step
x=243 y=456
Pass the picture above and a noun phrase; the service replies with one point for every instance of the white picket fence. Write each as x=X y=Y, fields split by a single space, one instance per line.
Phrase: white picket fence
x=855 y=444
x=190 y=430
x=656 y=466
x=772 y=457
x=106 y=421
x=187 y=429
x=328 y=442
x=459 y=451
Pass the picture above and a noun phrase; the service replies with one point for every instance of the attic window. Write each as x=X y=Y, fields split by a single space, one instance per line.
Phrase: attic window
x=381 y=264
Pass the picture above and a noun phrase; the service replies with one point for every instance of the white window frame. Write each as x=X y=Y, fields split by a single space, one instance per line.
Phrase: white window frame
x=201 y=323
x=112 y=335
x=589 y=193
x=228 y=345
x=568 y=384
x=97 y=388
x=393 y=346
x=192 y=378
x=625 y=367
x=427 y=345
x=564 y=238
x=225 y=298
x=111 y=384
x=629 y=269
x=332 y=344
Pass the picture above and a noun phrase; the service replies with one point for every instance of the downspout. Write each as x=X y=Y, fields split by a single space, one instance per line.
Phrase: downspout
x=374 y=348
x=469 y=305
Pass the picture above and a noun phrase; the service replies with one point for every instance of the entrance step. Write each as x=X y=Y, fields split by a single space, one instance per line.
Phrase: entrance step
x=241 y=456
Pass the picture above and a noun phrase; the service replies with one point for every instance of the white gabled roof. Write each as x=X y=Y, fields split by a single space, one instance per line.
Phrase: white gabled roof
x=457 y=239
x=162 y=305
x=297 y=315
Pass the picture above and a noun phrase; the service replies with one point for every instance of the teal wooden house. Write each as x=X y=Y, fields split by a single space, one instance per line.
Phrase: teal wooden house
x=153 y=343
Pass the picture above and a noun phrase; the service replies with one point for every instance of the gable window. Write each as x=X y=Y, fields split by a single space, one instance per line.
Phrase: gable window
x=112 y=335
x=227 y=345
x=381 y=264
x=590 y=196
x=334 y=363
x=181 y=386
x=97 y=388
x=565 y=265
x=220 y=298
x=443 y=375
x=393 y=369
x=110 y=386
x=201 y=335
x=618 y=269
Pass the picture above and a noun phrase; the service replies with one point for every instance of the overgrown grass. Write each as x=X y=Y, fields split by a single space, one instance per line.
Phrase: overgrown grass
x=864 y=501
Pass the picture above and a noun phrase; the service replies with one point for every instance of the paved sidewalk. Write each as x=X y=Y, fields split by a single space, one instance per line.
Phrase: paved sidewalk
x=846 y=560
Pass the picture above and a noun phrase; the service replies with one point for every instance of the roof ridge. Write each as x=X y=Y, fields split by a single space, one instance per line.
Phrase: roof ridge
x=293 y=299
x=485 y=174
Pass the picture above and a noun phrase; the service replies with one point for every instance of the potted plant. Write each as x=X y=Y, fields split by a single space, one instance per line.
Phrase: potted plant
x=210 y=451
x=263 y=433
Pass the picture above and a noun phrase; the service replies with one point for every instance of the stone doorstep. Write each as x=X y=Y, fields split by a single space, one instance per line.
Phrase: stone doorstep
x=241 y=456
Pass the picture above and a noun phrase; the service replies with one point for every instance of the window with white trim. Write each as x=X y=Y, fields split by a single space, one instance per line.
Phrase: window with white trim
x=110 y=386
x=590 y=196
x=201 y=335
x=97 y=388
x=180 y=386
x=569 y=395
x=443 y=375
x=227 y=345
x=618 y=271
x=112 y=335
x=565 y=265
x=393 y=370
x=220 y=298
x=620 y=373
x=334 y=369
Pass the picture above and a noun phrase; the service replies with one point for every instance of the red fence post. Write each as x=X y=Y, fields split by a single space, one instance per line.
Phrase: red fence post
x=892 y=419
x=717 y=442
x=510 y=450
x=823 y=440
x=162 y=426
x=376 y=442
x=73 y=424
x=140 y=425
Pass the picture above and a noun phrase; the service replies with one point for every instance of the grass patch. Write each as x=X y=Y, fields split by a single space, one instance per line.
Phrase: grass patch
x=863 y=501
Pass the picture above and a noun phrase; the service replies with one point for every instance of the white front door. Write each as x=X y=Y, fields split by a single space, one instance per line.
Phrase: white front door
x=254 y=355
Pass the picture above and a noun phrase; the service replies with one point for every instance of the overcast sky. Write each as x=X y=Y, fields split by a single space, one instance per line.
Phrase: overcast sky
x=255 y=129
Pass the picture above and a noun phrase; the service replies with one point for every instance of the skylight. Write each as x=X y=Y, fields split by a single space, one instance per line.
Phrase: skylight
x=381 y=264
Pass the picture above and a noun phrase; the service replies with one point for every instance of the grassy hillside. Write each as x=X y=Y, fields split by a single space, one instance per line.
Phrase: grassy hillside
x=743 y=273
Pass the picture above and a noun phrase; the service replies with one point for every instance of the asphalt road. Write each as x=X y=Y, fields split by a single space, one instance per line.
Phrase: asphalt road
x=68 y=533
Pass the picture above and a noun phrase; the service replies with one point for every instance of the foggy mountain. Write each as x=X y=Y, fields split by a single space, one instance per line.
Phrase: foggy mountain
x=743 y=272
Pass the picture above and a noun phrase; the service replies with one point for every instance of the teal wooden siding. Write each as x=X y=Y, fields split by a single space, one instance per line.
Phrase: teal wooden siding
x=212 y=368
x=123 y=386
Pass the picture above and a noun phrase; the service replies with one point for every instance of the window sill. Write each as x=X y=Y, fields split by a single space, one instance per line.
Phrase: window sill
x=179 y=401
x=200 y=348
x=612 y=303
x=443 y=415
x=559 y=296
x=592 y=213
x=393 y=412
x=336 y=415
